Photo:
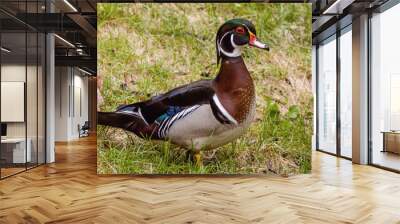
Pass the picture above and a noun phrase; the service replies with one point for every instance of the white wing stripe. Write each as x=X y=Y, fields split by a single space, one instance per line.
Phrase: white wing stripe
x=166 y=124
x=171 y=120
x=160 y=129
x=141 y=115
x=179 y=116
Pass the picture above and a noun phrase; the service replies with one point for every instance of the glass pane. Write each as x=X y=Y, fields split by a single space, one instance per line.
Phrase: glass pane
x=327 y=96
x=346 y=94
x=41 y=98
x=13 y=86
x=386 y=89
x=31 y=86
x=23 y=87
x=31 y=97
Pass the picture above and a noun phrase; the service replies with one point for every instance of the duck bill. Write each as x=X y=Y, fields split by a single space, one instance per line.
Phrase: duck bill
x=256 y=43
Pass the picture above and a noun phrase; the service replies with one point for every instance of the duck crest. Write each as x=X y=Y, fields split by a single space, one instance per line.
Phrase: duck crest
x=235 y=88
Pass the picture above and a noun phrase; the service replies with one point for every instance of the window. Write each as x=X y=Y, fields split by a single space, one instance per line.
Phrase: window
x=346 y=92
x=22 y=101
x=327 y=95
x=385 y=89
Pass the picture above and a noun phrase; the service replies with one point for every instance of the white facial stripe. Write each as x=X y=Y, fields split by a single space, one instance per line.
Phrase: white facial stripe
x=233 y=42
x=223 y=111
x=237 y=50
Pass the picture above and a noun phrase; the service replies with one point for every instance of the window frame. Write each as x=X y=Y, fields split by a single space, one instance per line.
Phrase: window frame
x=338 y=33
x=31 y=30
x=381 y=9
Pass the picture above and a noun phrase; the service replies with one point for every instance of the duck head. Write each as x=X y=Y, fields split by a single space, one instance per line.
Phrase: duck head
x=233 y=35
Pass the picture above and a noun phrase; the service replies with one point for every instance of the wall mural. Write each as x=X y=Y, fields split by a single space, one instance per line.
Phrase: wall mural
x=204 y=88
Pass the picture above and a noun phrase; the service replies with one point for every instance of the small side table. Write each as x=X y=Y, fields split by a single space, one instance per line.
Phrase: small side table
x=14 y=150
x=391 y=141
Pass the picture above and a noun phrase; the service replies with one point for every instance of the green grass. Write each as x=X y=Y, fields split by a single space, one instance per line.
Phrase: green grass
x=147 y=49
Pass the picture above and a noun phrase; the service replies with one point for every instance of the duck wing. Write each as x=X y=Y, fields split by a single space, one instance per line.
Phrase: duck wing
x=173 y=101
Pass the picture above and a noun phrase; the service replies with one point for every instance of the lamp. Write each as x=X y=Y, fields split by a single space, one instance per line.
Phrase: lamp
x=5 y=50
x=70 y=5
x=64 y=40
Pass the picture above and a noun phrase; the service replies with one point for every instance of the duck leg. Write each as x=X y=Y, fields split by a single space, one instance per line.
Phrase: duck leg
x=198 y=158
x=195 y=157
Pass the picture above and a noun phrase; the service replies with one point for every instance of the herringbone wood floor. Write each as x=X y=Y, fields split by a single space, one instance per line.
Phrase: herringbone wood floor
x=69 y=191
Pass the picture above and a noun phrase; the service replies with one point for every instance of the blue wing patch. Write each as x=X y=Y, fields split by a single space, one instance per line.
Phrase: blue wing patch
x=165 y=124
x=171 y=111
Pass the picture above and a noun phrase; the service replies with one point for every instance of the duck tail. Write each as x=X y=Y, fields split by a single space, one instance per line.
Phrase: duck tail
x=125 y=121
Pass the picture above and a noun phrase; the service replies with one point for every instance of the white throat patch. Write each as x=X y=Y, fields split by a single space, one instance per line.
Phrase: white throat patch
x=237 y=50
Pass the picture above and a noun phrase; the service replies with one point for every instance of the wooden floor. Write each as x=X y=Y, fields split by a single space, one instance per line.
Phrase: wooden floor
x=69 y=191
x=11 y=170
x=387 y=159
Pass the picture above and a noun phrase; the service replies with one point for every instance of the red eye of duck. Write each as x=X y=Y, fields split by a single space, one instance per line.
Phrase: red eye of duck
x=240 y=30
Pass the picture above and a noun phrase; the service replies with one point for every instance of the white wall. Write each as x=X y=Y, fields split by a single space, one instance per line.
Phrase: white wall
x=80 y=89
x=70 y=83
x=14 y=72
x=62 y=81
x=33 y=126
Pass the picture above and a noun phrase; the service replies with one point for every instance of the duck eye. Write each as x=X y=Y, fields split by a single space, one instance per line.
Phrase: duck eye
x=240 y=30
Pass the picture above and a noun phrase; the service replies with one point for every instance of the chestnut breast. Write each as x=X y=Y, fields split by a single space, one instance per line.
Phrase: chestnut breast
x=235 y=88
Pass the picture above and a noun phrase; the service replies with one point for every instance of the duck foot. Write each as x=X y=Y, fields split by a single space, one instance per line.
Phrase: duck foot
x=198 y=159
x=195 y=157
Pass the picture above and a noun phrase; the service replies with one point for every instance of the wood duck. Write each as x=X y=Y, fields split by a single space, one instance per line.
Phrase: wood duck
x=204 y=114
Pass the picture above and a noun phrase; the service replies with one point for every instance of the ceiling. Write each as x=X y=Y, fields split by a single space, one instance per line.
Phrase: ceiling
x=332 y=15
x=73 y=21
